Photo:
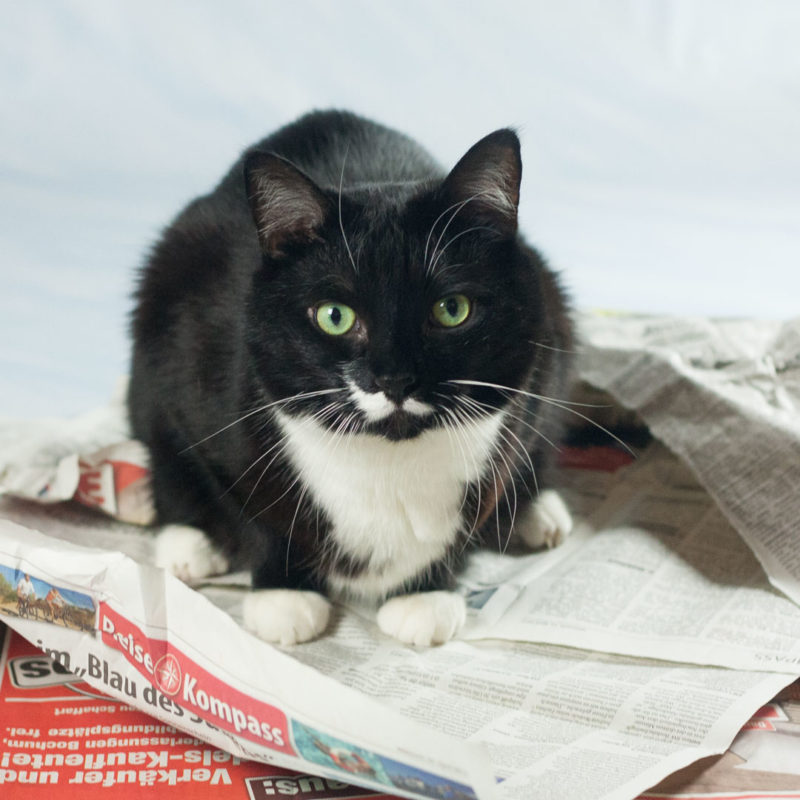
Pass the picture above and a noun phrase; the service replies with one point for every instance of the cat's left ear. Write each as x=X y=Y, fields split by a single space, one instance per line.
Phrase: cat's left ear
x=486 y=180
x=288 y=207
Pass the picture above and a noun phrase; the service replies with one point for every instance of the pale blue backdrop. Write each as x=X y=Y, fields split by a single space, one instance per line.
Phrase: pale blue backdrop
x=661 y=144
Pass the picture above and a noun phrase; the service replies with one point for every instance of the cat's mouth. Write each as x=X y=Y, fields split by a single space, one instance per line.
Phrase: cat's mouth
x=399 y=425
x=394 y=419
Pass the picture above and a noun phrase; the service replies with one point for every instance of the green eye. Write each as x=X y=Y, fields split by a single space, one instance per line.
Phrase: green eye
x=334 y=318
x=451 y=311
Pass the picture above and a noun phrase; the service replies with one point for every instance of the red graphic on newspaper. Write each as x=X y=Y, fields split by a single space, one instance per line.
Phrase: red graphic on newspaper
x=167 y=674
x=116 y=480
x=763 y=719
x=101 y=484
x=193 y=688
x=96 y=486
x=599 y=458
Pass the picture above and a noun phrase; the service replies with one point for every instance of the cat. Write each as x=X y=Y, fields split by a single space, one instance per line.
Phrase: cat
x=347 y=368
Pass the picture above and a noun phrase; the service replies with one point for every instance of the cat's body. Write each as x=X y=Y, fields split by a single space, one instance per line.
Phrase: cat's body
x=318 y=346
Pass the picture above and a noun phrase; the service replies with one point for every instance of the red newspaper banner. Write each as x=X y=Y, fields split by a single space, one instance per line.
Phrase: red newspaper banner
x=183 y=685
x=58 y=731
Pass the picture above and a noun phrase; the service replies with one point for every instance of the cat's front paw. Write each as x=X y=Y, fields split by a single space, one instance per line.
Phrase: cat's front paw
x=285 y=616
x=547 y=522
x=423 y=619
x=188 y=553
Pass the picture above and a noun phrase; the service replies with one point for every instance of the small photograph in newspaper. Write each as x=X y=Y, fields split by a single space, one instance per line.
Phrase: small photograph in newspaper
x=28 y=597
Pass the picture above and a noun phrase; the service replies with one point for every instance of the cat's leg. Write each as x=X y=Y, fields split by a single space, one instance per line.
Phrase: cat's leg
x=423 y=618
x=285 y=616
x=546 y=522
x=185 y=549
x=181 y=487
x=284 y=606
x=188 y=553
x=426 y=611
x=281 y=615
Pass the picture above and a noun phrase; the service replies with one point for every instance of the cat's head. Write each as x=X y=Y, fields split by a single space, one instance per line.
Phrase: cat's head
x=381 y=308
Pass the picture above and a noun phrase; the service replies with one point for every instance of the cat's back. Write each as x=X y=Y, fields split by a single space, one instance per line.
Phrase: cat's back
x=338 y=147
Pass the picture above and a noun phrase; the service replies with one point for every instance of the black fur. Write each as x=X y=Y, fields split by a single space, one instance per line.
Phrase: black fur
x=334 y=207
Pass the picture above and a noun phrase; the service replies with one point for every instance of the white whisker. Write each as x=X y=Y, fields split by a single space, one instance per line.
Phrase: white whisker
x=341 y=223
x=550 y=347
x=564 y=405
x=457 y=206
x=291 y=527
x=267 y=406
x=434 y=257
x=495 y=476
x=518 y=419
x=458 y=429
x=322 y=414
x=453 y=239
x=455 y=441
x=522 y=450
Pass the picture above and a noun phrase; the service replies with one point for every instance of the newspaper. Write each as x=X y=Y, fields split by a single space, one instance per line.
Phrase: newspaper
x=593 y=670
x=762 y=761
x=725 y=397
x=61 y=732
x=65 y=738
x=658 y=571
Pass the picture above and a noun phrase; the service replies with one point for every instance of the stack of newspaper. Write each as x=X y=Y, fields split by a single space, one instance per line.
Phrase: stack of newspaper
x=593 y=670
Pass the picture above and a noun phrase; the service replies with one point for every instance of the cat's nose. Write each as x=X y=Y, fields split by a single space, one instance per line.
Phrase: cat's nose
x=397 y=387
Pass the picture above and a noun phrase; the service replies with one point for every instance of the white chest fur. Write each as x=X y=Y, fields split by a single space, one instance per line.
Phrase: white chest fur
x=394 y=505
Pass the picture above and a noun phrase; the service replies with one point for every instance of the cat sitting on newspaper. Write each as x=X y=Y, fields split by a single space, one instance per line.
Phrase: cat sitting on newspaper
x=347 y=366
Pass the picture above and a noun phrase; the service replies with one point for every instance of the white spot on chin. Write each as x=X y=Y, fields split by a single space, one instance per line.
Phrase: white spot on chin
x=416 y=407
x=377 y=406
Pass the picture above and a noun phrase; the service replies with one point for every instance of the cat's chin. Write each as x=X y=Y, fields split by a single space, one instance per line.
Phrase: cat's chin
x=399 y=426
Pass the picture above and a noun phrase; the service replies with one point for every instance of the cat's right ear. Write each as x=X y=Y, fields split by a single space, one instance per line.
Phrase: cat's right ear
x=484 y=185
x=288 y=207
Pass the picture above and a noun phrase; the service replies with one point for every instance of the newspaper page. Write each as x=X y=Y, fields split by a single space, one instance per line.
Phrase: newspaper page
x=725 y=397
x=525 y=697
x=557 y=722
x=762 y=761
x=656 y=571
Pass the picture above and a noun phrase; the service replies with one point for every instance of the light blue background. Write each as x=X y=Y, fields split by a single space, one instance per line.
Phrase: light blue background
x=661 y=145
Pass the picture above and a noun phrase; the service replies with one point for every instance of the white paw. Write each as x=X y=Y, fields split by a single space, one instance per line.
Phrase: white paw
x=423 y=619
x=285 y=616
x=188 y=553
x=547 y=522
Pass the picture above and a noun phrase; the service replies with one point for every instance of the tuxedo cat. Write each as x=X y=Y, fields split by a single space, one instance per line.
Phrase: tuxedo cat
x=347 y=368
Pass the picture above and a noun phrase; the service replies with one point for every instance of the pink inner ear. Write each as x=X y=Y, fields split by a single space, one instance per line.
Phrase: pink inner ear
x=488 y=179
x=494 y=187
x=286 y=205
x=284 y=212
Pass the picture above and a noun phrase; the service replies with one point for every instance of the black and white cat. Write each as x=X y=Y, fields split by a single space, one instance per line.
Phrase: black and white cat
x=347 y=367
